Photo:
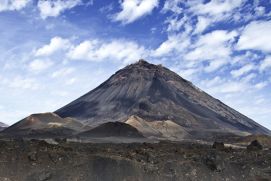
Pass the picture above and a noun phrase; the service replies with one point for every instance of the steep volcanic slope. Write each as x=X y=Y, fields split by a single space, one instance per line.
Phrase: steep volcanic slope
x=44 y=125
x=155 y=93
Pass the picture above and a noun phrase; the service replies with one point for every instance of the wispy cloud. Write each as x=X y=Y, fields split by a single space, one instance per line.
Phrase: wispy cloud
x=243 y=70
x=121 y=50
x=215 y=8
x=56 y=44
x=53 y=8
x=39 y=65
x=13 y=5
x=266 y=64
x=256 y=36
x=63 y=72
x=134 y=9
x=20 y=82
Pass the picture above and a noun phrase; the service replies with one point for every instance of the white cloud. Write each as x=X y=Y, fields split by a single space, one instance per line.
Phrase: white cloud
x=215 y=64
x=56 y=44
x=63 y=72
x=206 y=13
x=188 y=73
x=213 y=82
x=172 y=5
x=20 y=83
x=82 y=51
x=256 y=35
x=233 y=87
x=70 y=81
x=261 y=85
x=215 y=7
x=60 y=93
x=202 y=24
x=243 y=70
x=177 y=42
x=97 y=50
x=248 y=78
x=13 y=5
x=192 y=54
x=53 y=8
x=175 y=24
x=134 y=9
x=218 y=40
x=217 y=37
x=260 y=10
x=244 y=58
x=39 y=65
x=266 y=63
x=226 y=87
x=223 y=86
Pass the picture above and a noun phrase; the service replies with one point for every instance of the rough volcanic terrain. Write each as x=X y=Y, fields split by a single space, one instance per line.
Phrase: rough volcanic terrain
x=165 y=161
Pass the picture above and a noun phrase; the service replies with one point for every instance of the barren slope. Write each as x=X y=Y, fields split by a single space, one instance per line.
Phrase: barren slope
x=44 y=125
x=158 y=129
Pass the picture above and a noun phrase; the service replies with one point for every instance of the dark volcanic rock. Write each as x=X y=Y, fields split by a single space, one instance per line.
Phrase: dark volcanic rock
x=214 y=162
x=218 y=145
x=32 y=156
x=254 y=146
x=45 y=176
x=133 y=162
x=264 y=140
x=113 y=129
x=154 y=93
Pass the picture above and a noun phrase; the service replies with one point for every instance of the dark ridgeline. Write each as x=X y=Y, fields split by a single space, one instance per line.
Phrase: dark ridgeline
x=153 y=93
x=112 y=129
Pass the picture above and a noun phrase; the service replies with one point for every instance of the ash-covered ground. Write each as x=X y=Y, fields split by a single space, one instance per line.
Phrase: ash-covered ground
x=34 y=160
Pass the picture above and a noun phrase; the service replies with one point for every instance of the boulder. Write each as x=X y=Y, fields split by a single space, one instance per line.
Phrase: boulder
x=218 y=145
x=32 y=156
x=254 y=146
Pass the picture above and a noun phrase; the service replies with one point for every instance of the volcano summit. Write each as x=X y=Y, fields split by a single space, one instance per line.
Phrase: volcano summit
x=158 y=102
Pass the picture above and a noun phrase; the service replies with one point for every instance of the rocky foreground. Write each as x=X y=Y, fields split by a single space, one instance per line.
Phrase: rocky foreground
x=38 y=160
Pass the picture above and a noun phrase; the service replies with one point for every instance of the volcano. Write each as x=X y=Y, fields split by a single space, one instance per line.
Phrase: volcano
x=154 y=99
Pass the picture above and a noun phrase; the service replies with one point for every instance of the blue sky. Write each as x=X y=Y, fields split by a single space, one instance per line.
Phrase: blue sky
x=52 y=52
